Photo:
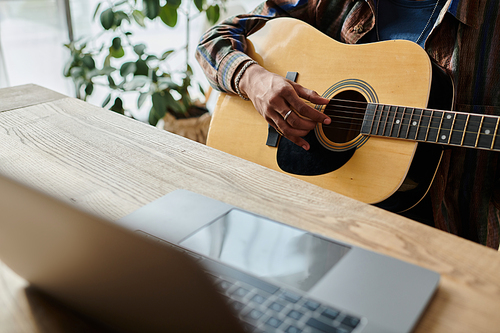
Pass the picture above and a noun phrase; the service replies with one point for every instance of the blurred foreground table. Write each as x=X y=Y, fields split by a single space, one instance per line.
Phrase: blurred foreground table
x=111 y=165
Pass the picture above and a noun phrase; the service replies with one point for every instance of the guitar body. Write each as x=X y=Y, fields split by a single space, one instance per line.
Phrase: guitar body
x=374 y=169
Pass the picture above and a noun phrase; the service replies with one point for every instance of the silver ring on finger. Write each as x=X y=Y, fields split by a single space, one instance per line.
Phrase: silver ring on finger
x=287 y=114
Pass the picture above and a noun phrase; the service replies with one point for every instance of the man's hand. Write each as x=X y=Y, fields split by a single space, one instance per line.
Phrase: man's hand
x=274 y=96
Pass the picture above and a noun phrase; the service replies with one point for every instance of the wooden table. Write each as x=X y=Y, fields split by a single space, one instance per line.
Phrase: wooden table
x=111 y=165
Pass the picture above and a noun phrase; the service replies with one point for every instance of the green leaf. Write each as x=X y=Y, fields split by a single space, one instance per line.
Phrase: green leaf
x=142 y=68
x=201 y=89
x=78 y=86
x=118 y=106
x=139 y=49
x=116 y=50
x=107 y=70
x=138 y=81
x=89 y=88
x=76 y=72
x=172 y=103
x=121 y=84
x=106 y=101
x=168 y=15
x=92 y=73
x=160 y=103
x=67 y=68
x=107 y=60
x=107 y=18
x=174 y=3
x=77 y=58
x=199 y=4
x=120 y=16
x=139 y=17
x=127 y=68
x=116 y=43
x=88 y=61
x=142 y=98
x=213 y=14
x=111 y=82
x=151 y=57
x=151 y=8
x=153 y=118
x=116 y=53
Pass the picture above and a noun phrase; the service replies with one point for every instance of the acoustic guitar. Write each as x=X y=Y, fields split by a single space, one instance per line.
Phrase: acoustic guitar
x=388 y=107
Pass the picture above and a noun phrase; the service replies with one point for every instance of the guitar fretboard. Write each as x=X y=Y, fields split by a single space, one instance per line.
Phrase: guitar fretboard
x=434 y=126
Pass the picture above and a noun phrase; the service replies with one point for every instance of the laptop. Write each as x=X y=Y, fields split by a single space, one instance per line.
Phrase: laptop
x=189 y=263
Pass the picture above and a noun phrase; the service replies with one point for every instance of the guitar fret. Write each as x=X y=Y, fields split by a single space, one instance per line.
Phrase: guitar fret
x=496 y=145
x=429 y=127
x=409 y=124
x=440 y=123
x=442 y=127
x=378 y=116
x=479 y=131
x=398 y=121
x=457 y=134
x=383 y=120
x=390 y=120
x=446 y=123
x=465 y=129
x=494 y=141
x=405 y=123
x=486 y=133
x=424 y=123
x=452 y=127
x=435 y=124
x=386 y=118
x=415 y=124
x=471 y=131
x=366 y=127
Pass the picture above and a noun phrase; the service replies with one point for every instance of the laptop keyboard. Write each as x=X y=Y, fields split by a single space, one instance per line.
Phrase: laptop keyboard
x=264 y=307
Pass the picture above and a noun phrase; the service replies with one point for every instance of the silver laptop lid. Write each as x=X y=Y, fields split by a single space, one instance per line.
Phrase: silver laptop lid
x=104 y=271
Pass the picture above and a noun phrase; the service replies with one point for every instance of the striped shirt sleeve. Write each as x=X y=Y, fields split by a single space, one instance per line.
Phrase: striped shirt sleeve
x=221 y=50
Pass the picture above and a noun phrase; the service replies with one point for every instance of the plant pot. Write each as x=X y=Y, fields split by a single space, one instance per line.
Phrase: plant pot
x=194 y=128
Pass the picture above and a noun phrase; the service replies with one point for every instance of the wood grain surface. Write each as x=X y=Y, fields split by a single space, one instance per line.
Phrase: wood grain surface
x=111 y=165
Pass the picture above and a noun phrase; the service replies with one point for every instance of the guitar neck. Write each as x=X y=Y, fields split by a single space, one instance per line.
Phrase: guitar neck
x=433 y=126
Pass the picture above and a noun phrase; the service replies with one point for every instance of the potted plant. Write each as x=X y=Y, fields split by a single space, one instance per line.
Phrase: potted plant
x=113 y=60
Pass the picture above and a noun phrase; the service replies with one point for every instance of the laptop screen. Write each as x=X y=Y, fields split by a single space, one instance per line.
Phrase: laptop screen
x=267 y=249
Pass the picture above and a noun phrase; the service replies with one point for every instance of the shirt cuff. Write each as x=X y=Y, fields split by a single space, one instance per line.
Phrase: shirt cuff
x=226 y=72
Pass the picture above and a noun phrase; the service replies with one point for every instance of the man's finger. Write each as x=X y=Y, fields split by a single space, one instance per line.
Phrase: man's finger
x=305 y=110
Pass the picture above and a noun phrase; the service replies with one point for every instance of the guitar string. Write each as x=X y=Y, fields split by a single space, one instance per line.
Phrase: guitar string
x=399 y=106
x=363 y=109
x=337 y=108
x=359 y=120
x=357 y=125
x=382 y=132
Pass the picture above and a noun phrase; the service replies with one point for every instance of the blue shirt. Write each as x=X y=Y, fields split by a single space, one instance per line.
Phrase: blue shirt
x=405 y=19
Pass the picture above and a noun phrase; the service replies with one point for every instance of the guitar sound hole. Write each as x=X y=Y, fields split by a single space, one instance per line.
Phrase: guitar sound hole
x=346 y=109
